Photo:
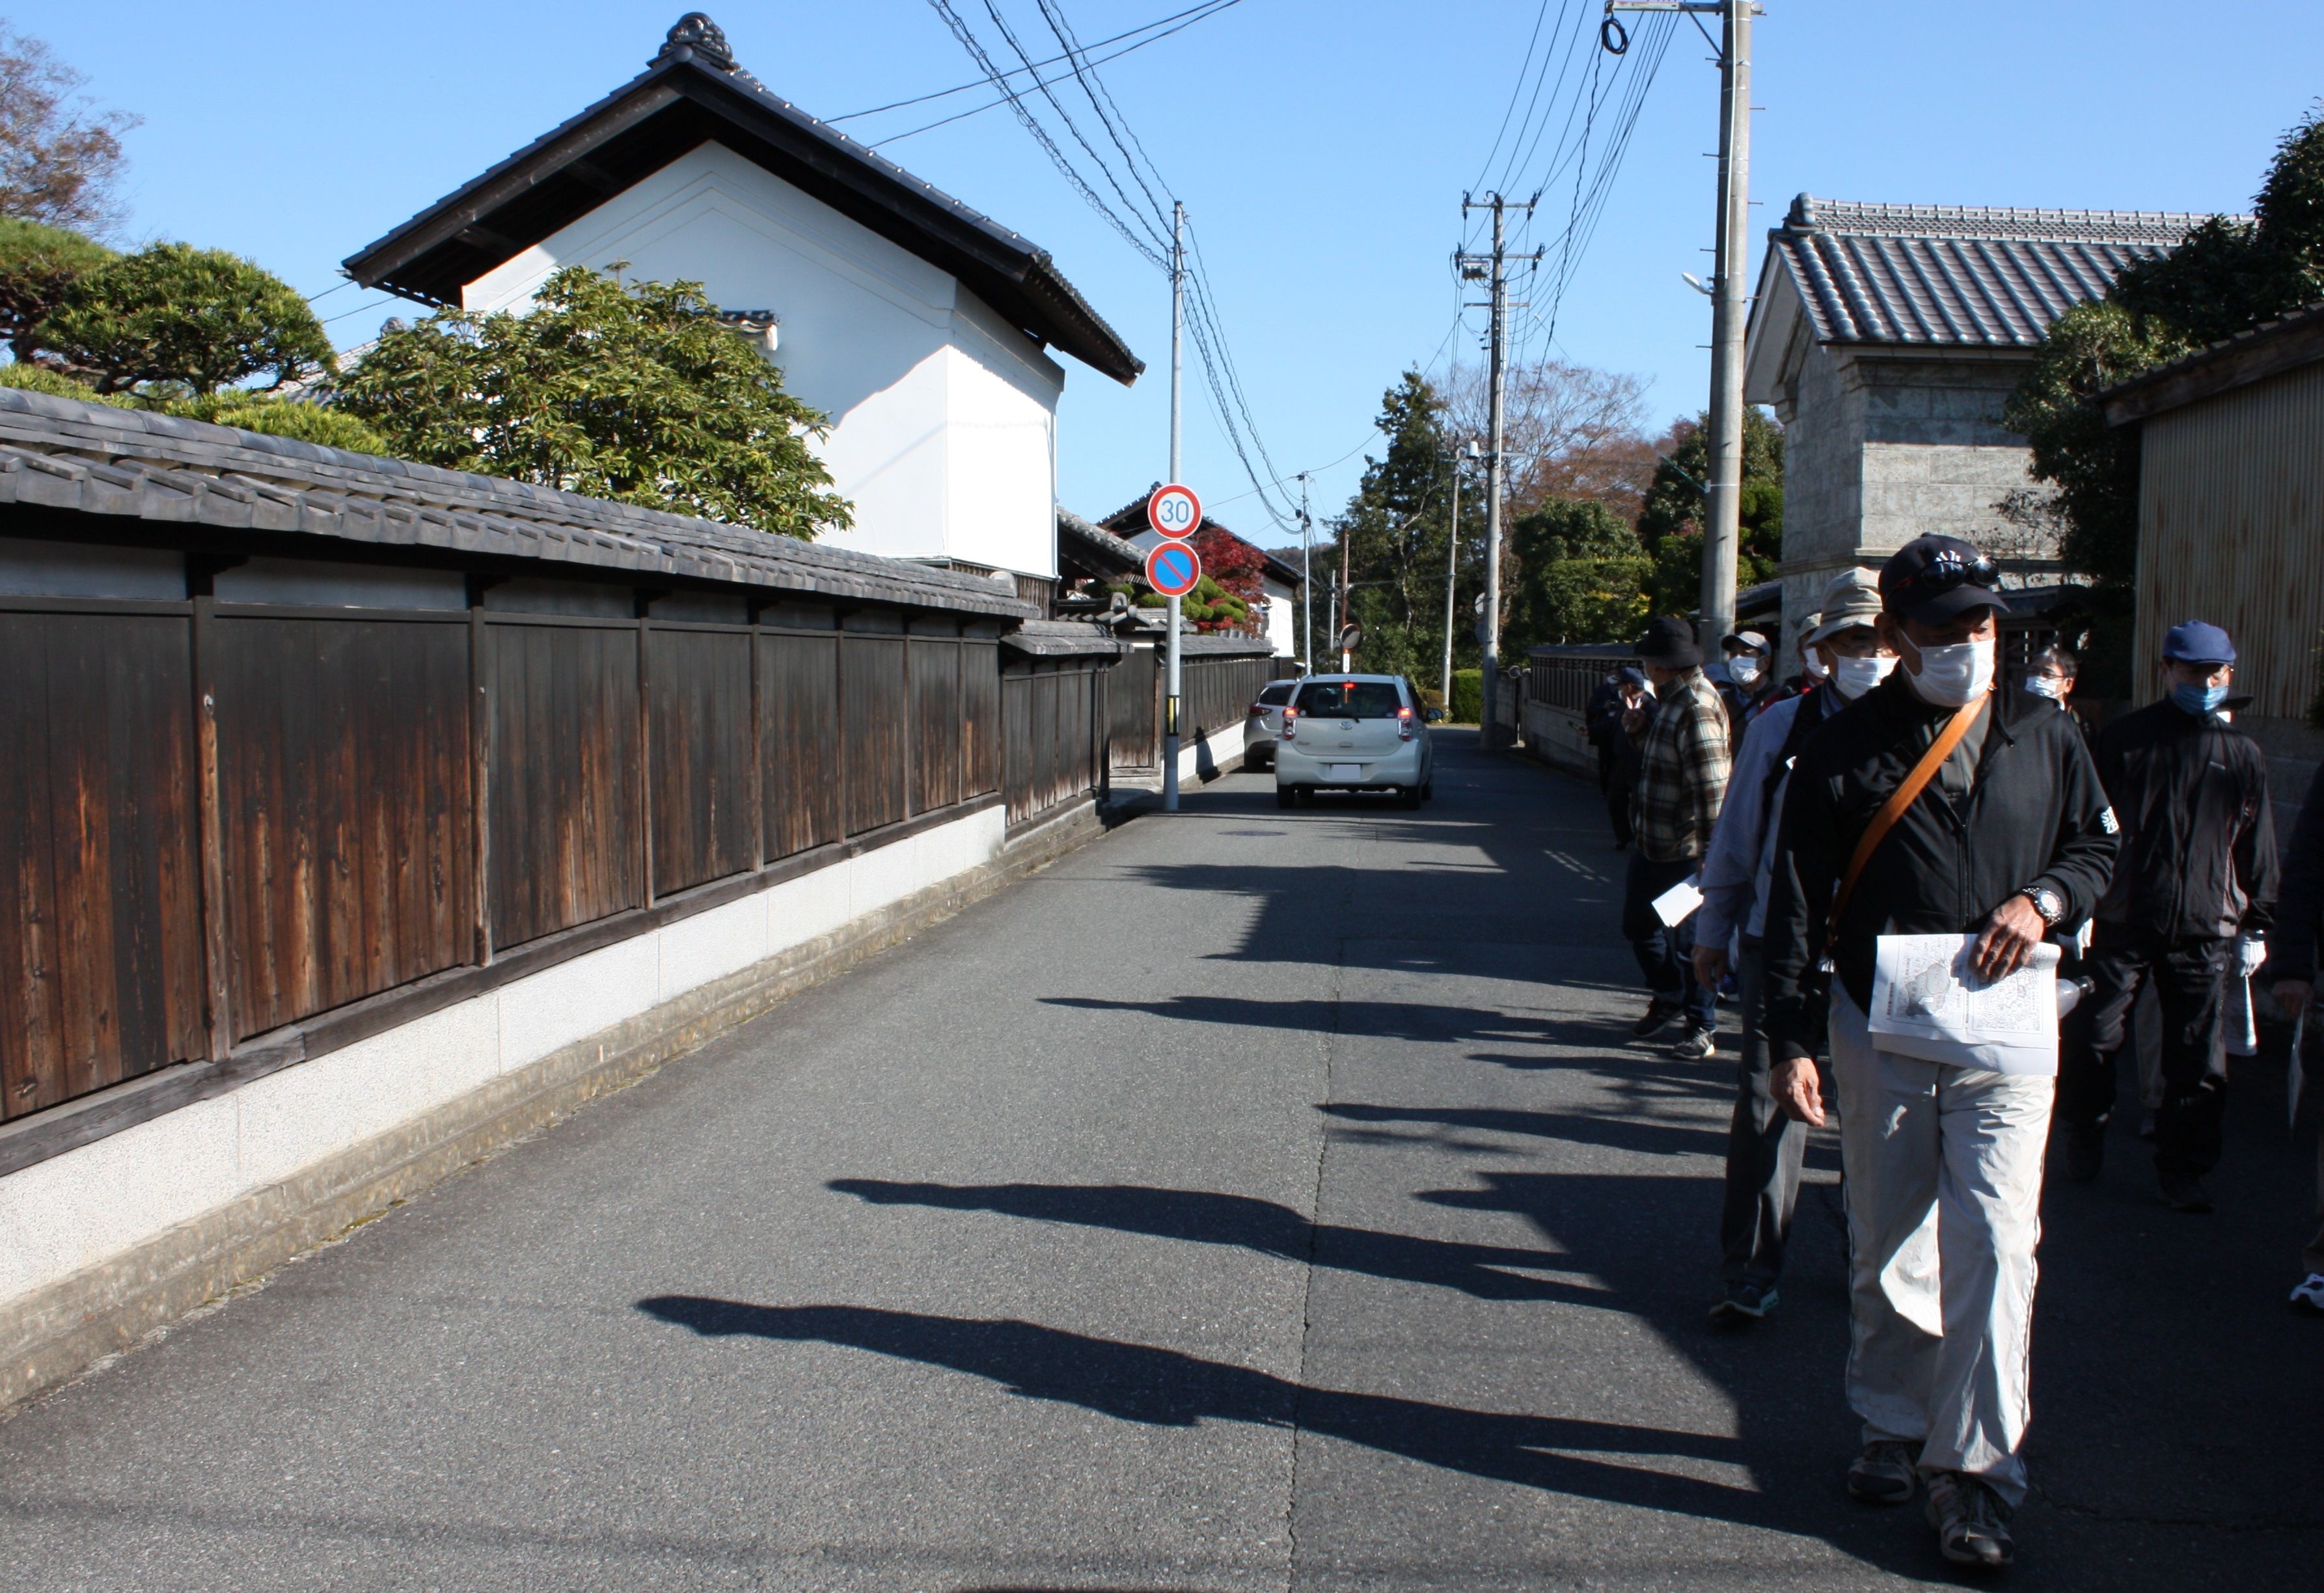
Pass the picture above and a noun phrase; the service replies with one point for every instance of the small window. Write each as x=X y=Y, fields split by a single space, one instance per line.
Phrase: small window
x=1350 y=699
x=1276 y=696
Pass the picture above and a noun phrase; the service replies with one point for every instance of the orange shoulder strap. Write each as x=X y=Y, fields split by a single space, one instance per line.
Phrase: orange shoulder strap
x=1901 y=798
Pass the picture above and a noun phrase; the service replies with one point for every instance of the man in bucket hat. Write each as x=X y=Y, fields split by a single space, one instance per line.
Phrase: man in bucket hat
x=1940 y=802
x=1681 y=782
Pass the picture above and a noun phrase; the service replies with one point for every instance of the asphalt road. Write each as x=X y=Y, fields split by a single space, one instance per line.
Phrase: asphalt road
x=1252 y=1200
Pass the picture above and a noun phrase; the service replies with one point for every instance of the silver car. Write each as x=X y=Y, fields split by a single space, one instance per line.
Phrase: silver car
x=1264 y=722
x=1354 y=733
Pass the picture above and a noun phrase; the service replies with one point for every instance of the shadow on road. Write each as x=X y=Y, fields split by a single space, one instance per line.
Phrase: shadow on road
x=1202 y=1217
x=1166 y=1387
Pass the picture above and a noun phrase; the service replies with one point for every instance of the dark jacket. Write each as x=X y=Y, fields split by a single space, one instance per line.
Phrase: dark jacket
x=1603 y=716
x=2035 y=814
x=2300 y=901
x=2198 y=841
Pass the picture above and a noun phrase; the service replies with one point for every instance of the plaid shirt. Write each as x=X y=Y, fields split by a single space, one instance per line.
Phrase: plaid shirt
x=1681 y=773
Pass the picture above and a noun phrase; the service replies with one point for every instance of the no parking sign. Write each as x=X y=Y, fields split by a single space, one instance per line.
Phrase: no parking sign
x=1174 y=569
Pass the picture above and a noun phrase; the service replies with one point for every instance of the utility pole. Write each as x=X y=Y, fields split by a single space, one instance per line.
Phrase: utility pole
x=1347 y=658
x=1493 y=270
x=1178 y=370
x=1306 y=581
x=1730 y=305
x=1452 y=574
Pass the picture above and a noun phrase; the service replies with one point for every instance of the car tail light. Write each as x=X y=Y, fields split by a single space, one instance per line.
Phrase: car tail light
x=1404 y=724
x=1290 y=723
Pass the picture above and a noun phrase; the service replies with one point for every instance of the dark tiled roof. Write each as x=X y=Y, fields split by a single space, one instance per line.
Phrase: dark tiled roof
x=1955 y=275
x=1094 y=539
x=62 y=453
x=693 y=93
x=1065 y=639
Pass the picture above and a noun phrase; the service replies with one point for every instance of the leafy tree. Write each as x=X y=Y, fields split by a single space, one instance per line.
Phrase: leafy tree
x=175 y=316
x=278 y=417
x=1396 y=529
x=2226 y=276
x=1236 y=570
x=59 y=157
x=1671 y=523
x=41 y=379
x=1581 y=574
x=37 y=265
x=630 y=391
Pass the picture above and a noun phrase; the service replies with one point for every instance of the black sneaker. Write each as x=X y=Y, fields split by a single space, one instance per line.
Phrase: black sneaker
x=1886 y=1472
x=1972 y=1523
x=2308 y=1295
x=1695 y=1045
x=2085 y=1151
x=1745 y=1302
x=1659 y=1013
x=2183 y=1191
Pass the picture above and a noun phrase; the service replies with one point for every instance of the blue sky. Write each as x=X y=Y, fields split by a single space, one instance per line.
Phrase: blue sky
x=1322 y=145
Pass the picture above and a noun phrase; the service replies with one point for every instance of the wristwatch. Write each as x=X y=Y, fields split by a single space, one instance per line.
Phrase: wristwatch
x=2046 y=902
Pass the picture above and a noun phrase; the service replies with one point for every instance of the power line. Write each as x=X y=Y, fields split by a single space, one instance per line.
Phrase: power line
x=1195 y=12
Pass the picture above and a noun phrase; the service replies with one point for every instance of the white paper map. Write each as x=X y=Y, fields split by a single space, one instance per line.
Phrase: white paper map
x=1926 y=1002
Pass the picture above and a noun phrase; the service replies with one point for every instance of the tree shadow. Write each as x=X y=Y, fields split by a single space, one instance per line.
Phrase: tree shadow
x=1644 y=1135
x=1168 y=1388
x=1241 y=1222
x=1387 y=1020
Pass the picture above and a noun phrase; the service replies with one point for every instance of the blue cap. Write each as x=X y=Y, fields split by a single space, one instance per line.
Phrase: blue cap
x=2195 y=642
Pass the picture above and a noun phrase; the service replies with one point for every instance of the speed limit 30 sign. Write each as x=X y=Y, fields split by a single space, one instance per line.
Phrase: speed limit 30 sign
x=1173 y=511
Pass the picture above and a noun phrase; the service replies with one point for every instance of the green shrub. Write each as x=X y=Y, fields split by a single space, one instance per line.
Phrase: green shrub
x=277 y=417
x=1468 y=696
x=40 y=379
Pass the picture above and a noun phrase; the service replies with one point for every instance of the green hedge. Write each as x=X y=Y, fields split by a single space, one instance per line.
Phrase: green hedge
x=1468 y=696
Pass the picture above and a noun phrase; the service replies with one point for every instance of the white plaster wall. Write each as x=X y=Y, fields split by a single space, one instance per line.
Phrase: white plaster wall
x=89 y=1204
x=1282 y=619
x=945 y=417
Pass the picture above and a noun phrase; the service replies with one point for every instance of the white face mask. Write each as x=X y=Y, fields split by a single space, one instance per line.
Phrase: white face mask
x=1853 y=677
x=1816 y=667
x=1743 y=671
x=2046 y=685
x=1954 y=676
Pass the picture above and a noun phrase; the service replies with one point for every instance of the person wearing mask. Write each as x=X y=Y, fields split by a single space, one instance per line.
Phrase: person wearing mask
x=2291 y=961
x=2052 y=673
x=1813 y=669
x=1623 y=690
x=2189 y=907
x=1936 y=804
x=1750 y=683
x=1765 y=1146
x=1681 y=781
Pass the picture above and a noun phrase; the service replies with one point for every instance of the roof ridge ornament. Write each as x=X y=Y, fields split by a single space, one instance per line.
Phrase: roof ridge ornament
x=696 y=36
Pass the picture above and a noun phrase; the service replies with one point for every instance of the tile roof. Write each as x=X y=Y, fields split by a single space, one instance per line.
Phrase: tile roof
x=59 y=453
x=1096 y=540
x=1956 y=275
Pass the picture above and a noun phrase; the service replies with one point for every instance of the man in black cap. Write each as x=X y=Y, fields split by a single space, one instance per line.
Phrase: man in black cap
x=1936 y=804
x=1681 y=782
x=2189 y=905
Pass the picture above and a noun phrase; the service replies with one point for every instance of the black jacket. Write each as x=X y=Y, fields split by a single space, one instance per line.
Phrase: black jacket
x=2198 y=841
x=2299 y=902
x=2035 y=814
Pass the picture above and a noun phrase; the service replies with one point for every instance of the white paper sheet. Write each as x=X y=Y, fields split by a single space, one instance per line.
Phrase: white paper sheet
x=1674 y=905
x=1926 y=1002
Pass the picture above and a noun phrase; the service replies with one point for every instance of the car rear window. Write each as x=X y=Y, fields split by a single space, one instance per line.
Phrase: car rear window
x=1350 y=699
x=1276 y=696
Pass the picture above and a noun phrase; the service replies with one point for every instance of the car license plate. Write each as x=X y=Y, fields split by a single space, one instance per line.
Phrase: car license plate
x=1343 y=771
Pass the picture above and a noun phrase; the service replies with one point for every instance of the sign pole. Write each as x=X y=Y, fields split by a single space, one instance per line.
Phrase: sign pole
x=1178 y=366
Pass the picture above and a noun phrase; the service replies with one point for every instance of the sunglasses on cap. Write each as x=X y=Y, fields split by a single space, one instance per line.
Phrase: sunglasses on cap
x=1948 y=571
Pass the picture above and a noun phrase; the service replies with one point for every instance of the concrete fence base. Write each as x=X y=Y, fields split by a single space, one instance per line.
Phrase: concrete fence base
x=53 y=1328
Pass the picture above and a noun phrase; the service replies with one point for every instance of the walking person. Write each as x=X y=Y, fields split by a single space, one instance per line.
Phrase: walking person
x=1935 y=803
x=1750 y=683
x=1681 y=781
x=1765 y=1145
x=2189 y=909
x=2299 y=925
x=1608 y=720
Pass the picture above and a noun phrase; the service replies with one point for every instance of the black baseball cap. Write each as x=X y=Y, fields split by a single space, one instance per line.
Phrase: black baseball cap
x=1669 y=643
x=1929 y=579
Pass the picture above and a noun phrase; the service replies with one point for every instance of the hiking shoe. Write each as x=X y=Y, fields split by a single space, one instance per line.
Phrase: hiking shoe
x=1695 y=1045
x=1743 y=1301
x=2307 y=1296
x=2183 y=1191
x=1972 y=1523
x=1885 y=1473
x=2085 y=1151
x=1659 y=1013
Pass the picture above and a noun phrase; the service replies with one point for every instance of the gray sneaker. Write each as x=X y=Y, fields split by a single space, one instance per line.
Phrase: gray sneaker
x=1743 y=1301
x=1885 y=1473
x=1972 y=1523
x=1695 y=1045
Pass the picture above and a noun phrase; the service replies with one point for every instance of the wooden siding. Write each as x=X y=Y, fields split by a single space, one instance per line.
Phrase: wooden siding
x=2231 y=530
x=342 y=754
x=798 y=741
x=872 y=718
x=563 y=772
x=1055 y=720
x=980 y=717
x=1136 y=702
x=935 y=723
x=705 y=826
x=100 y=934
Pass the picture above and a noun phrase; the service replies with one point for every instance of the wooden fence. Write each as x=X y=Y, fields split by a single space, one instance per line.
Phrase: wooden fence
x=1216 y=691
x=217 y=819
x=1057 y=716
